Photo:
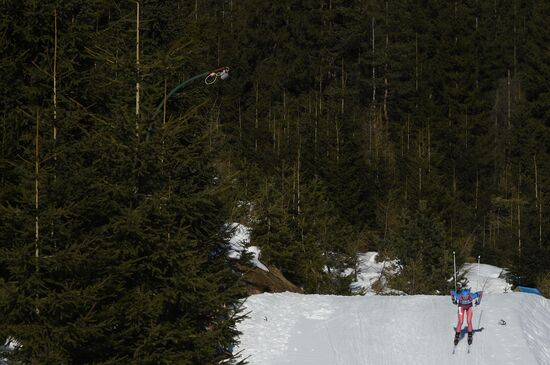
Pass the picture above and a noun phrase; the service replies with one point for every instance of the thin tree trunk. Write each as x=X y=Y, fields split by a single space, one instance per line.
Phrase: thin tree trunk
x=515 y=40
x=429 y=148
x=343 y=88
x=294 y=185
x=386 y=217
x=256 y=120
x=240 y=122
x=519 y=227
x=406 y=189
x=137 y=70
x=36 y=191
x=466 y=128
x=373 y=67
x=483 y=234
x=36 y=203
x=316 y=133
x=408 y=132
x=298 y=177
x=540 y=219
x=285 y=118
x=509 y=114
x=491 y=234
x=164 y=118
x=420 y=179
x=454 y=178
x=386 y=73
x=536 y=181
x=320 y=92
x=477 y=188
x=54 y=114
x=416 y=62
x=337 y=124
x=402 y=142
x=55 y=83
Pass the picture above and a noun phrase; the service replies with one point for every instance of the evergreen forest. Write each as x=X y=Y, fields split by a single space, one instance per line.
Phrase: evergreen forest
x=416 y=129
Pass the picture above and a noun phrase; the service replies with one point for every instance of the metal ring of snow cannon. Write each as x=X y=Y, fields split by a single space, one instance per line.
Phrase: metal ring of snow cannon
x=212 y=77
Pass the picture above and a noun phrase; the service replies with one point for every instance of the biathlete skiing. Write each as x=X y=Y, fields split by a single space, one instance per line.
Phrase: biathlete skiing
x=465 y=300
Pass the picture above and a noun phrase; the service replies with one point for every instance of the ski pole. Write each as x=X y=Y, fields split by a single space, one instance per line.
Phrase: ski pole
x=478 y=260
x=454 y=266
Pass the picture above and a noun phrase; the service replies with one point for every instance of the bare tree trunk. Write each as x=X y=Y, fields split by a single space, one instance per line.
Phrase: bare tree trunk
x=491 y=234
x=218 y=51
x=316 y=132
x=386 y=73
x=54 y=114
x=36 y=202
x=320 y=92
x=294 y=185
x=406 y=189
x=386 y=217
x=240 y=122
x=454 y=178
x=509 y=114
x=137 y=69
x=337 y=124
x=540 y=219
x=483 y=234
x=402 y=142
x=515 y=40
x=420 y=179
x=36 y=191
x=452 y=227
x=408 y=132
x=55 y=83
x=477 y=189
x=416 y=63
x=466 y=128
x=164 y=118
x=372 y=132
x=137 y=107
x=519 y=226
x=343 y=88
x=497 y=228
x=429 y=147
x=536 y=181
x=285 y=118
x=299 y=166
x=256 y=120
x=373 y=67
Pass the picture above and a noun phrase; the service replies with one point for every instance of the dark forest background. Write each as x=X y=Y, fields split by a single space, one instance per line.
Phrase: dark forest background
x=412 y=128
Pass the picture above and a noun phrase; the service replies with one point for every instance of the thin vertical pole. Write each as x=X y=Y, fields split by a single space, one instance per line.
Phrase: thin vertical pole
x=478 y=260
x=454 y=266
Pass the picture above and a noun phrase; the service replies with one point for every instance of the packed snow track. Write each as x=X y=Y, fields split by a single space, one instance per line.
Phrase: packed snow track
x=297 y=329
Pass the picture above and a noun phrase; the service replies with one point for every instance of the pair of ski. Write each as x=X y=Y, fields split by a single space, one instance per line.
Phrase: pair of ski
x=457 y=340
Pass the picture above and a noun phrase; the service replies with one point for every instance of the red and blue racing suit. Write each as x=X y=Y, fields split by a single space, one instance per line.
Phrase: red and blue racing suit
x=465 y=303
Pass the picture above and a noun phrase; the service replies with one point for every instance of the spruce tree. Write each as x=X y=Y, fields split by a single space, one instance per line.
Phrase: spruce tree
x=114 y=246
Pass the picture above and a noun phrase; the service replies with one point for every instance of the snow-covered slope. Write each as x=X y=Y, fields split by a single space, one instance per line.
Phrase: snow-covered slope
x=490 y=279
x=239 y=242
x=369 y=272
x=290 y=328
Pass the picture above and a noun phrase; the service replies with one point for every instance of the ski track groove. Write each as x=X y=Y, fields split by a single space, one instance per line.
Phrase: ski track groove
x=362 y=335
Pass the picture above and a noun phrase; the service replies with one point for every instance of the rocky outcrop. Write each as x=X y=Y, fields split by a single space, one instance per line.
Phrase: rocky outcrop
x=272 y=281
